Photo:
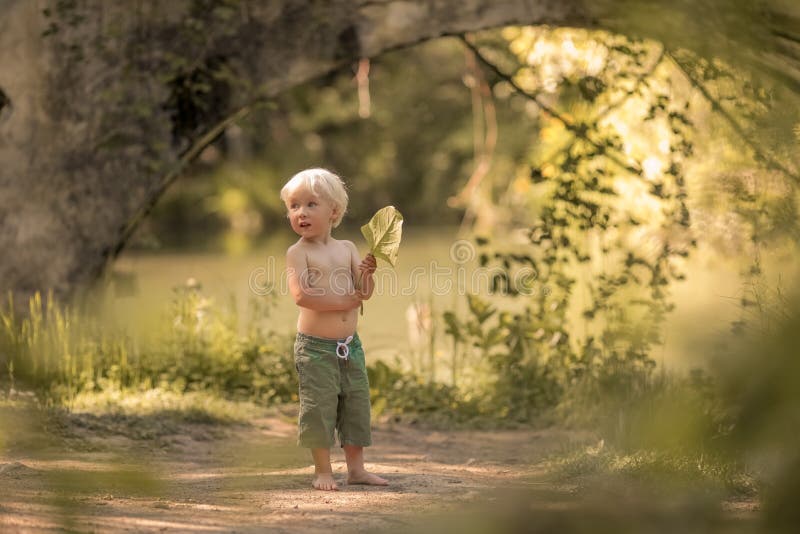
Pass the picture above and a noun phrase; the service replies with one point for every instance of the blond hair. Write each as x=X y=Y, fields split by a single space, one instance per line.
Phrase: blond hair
x=323 y=183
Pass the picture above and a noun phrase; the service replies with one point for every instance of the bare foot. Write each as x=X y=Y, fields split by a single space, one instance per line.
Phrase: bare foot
x=324 y=482
x=365 y=477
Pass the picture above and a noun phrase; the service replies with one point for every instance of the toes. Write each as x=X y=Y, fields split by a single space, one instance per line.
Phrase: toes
x=325 y=485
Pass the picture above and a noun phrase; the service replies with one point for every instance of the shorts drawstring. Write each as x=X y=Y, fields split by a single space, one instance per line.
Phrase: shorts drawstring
x=343 y=348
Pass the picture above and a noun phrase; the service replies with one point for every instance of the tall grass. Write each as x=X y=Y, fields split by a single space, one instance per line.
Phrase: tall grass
x=60 y=351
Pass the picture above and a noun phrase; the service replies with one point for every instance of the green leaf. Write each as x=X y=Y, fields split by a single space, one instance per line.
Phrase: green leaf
x=480 y=309
x=453 y=326
x=383 y=233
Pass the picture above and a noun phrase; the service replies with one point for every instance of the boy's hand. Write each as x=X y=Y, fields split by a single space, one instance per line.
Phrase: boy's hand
x=368 y=265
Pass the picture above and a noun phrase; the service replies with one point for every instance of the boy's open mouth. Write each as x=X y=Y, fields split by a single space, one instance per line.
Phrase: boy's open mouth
x=304 y=225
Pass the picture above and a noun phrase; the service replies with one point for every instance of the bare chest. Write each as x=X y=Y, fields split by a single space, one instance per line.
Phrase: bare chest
x=328 y=265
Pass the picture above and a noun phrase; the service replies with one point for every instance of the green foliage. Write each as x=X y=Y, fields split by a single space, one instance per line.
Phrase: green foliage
x=605 y=211
x=759 y=385
x=416 y=139
x=406 y=393
x=62 y=352
x=528 y=368
x=658 y=468
x=601 y=196
x=519 y=381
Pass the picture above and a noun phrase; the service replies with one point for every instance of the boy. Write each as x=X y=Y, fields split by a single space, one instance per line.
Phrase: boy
x=334 y=392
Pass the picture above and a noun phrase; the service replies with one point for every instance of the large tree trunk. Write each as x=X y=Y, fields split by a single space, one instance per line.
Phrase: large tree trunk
x=98 y=114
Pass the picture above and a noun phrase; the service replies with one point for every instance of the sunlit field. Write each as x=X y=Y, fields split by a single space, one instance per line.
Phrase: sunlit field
x=428 y=273
x=425 y=259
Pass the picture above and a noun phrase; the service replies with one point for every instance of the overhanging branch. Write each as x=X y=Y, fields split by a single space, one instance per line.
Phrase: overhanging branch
x=717 y=107
x=180 y=166
x=578 y=130
x=613 y=105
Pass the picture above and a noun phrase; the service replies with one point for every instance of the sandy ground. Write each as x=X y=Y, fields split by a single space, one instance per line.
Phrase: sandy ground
x=213 y=478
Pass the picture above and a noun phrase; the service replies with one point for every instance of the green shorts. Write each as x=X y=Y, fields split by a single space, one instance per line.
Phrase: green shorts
x=334 y=392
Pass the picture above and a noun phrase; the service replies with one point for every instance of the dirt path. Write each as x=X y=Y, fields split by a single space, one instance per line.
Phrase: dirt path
x=207 y=478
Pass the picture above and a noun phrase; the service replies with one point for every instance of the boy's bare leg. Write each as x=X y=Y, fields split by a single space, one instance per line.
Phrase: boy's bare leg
x=356 y=474
x=323 y=472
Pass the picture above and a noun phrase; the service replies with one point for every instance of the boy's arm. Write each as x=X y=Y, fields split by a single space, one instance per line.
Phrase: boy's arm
x=363 y=270
x=314 y=298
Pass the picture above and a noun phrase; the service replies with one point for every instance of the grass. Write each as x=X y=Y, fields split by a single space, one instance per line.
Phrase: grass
x=686 y=469
x=204 y=366
x=192 y=406
x=64 y=354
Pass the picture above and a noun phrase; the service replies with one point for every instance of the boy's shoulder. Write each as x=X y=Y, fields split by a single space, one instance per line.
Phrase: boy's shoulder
x=301 y=245
x=296 y=247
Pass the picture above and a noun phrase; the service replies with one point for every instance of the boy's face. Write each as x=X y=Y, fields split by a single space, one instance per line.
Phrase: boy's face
x=310 y=215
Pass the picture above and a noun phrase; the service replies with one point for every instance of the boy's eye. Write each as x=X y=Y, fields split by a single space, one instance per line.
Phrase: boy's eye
x=312 y=204
x=293 y=206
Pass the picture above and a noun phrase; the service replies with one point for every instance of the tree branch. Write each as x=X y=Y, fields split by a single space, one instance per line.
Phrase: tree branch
x=180 y=166
x=716 y=106
x=578 y=130
x=614 y=105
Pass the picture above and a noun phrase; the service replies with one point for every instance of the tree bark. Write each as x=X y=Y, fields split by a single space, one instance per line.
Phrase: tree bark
x=94 y=123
